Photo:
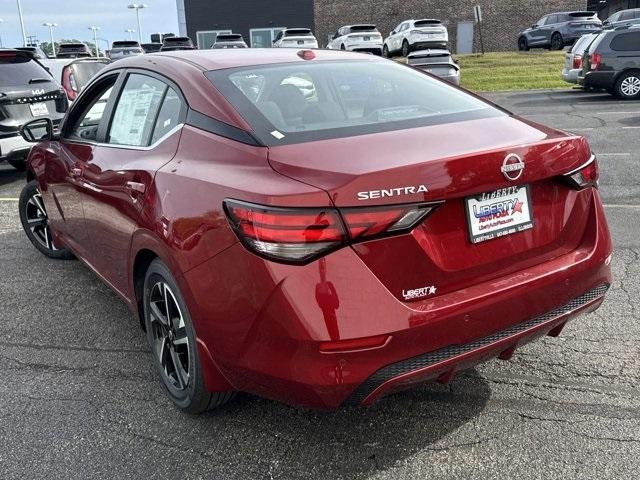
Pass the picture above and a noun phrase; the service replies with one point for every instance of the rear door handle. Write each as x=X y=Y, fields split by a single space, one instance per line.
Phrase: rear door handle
x=76 y=172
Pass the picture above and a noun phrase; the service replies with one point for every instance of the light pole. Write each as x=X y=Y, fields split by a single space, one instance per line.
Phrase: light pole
x=1 y=45
x=95 y=38
x=51 y=27
x=24 y=34
x=130 y=31
x=137 y=7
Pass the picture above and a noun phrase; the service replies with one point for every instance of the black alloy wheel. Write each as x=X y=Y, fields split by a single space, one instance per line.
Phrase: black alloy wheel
x=173 y=345
x=35 y=222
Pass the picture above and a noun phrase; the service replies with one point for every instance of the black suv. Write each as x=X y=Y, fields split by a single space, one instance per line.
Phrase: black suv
x=613 y=63
x=171 y=44
x=73 y=50
x=27 y=91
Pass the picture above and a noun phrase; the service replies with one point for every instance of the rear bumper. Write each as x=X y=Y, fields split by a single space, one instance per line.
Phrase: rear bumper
x=570 y=75
x=14 y=147
x=264 y=323
x=427 y=44
x=442 y=364
x=597 y=79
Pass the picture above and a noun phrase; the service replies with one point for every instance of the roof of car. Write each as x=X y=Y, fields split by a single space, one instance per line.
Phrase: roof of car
x=207 y=60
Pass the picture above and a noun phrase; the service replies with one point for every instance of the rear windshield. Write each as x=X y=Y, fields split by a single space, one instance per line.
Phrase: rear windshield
x=230 y=37
x=20 y=71
x=363 y=28
x=73 y=47
x=582 y=43
x=293 y=103
x=297 y=31
x=125 y=43
x=177 y=40
x=581 y=14
x=84 y=71
x=427 y=23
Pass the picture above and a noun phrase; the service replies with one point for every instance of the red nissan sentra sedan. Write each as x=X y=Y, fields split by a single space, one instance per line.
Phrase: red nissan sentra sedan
x=321 y=228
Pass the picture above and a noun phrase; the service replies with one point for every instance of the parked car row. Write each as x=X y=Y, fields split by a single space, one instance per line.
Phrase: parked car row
x=607 y=60
x=557 y=30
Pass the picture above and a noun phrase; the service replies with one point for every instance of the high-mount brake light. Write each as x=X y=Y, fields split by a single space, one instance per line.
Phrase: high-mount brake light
x=584 y=176
x=300 y=235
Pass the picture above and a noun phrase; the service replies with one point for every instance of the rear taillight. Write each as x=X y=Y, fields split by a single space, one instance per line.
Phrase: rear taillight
x=594 y=60
x=577 y=62
x=300 y=235
x=585 y=175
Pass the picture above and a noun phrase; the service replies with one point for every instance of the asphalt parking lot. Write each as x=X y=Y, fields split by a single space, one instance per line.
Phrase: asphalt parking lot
x=79 y=398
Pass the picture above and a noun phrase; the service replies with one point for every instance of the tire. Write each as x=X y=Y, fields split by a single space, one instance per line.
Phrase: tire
x=19 y=165
x=35 y=222
x=627 y=87
x=406 y=49
x=172 y=341
x=385 y=51
x=342 y=47
x=557 y=43
x=523 y=44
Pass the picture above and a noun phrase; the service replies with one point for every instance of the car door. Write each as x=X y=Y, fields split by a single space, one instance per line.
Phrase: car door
x=548 y=29
x=536 y=35
x=393 y=44
x=63 y=168
x=141 y=136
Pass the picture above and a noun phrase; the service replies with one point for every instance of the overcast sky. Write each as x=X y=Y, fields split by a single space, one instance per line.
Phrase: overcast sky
x=75 y=16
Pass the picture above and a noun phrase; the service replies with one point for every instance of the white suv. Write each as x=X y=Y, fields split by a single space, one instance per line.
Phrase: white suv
x=357 y=38
x=295 y=37
x=412 y=35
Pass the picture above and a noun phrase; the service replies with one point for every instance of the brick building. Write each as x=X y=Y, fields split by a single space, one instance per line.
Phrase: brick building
x=260 y=20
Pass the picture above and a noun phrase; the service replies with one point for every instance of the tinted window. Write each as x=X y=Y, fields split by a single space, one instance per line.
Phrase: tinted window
x=582 y=44
x=135 y=113
x=169 y=115
x=290 y=103
x=626 y=42
x=19 y=71
x=84 y=71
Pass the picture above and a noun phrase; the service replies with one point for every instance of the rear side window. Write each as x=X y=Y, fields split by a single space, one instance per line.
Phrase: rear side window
x=626 y=42
x=169 y=115
x=17 y=70
x=136 y=111
x=333 y=99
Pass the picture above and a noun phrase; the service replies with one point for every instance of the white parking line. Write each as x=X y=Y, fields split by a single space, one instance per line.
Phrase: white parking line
x=618 y=205
x=630 y=128
x=9 y=199
x=615 y=112
x=613 y=154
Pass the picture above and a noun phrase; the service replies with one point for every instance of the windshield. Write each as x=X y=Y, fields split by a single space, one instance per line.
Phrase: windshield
x=294 y=103
x=17 y=70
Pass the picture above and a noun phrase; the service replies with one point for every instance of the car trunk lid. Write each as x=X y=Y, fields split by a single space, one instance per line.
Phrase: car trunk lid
x=439 y=164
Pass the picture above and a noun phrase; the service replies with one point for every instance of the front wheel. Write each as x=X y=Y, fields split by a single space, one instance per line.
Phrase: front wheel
x=628 y=86
x=523 y=45
x=173 y=345
x=35 y=222
x=385 y=51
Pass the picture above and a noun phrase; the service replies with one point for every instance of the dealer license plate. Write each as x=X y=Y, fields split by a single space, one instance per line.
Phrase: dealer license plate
x=39 y=109
x=499 y=213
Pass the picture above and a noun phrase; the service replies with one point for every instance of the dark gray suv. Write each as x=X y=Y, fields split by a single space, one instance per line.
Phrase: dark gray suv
x=557 y=30
x=612 y=63
x=623 y=18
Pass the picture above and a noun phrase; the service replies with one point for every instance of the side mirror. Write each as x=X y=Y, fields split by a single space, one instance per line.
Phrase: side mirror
x=534 y=26
x=605 y=23
x=38 y=130
x=393 y=32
